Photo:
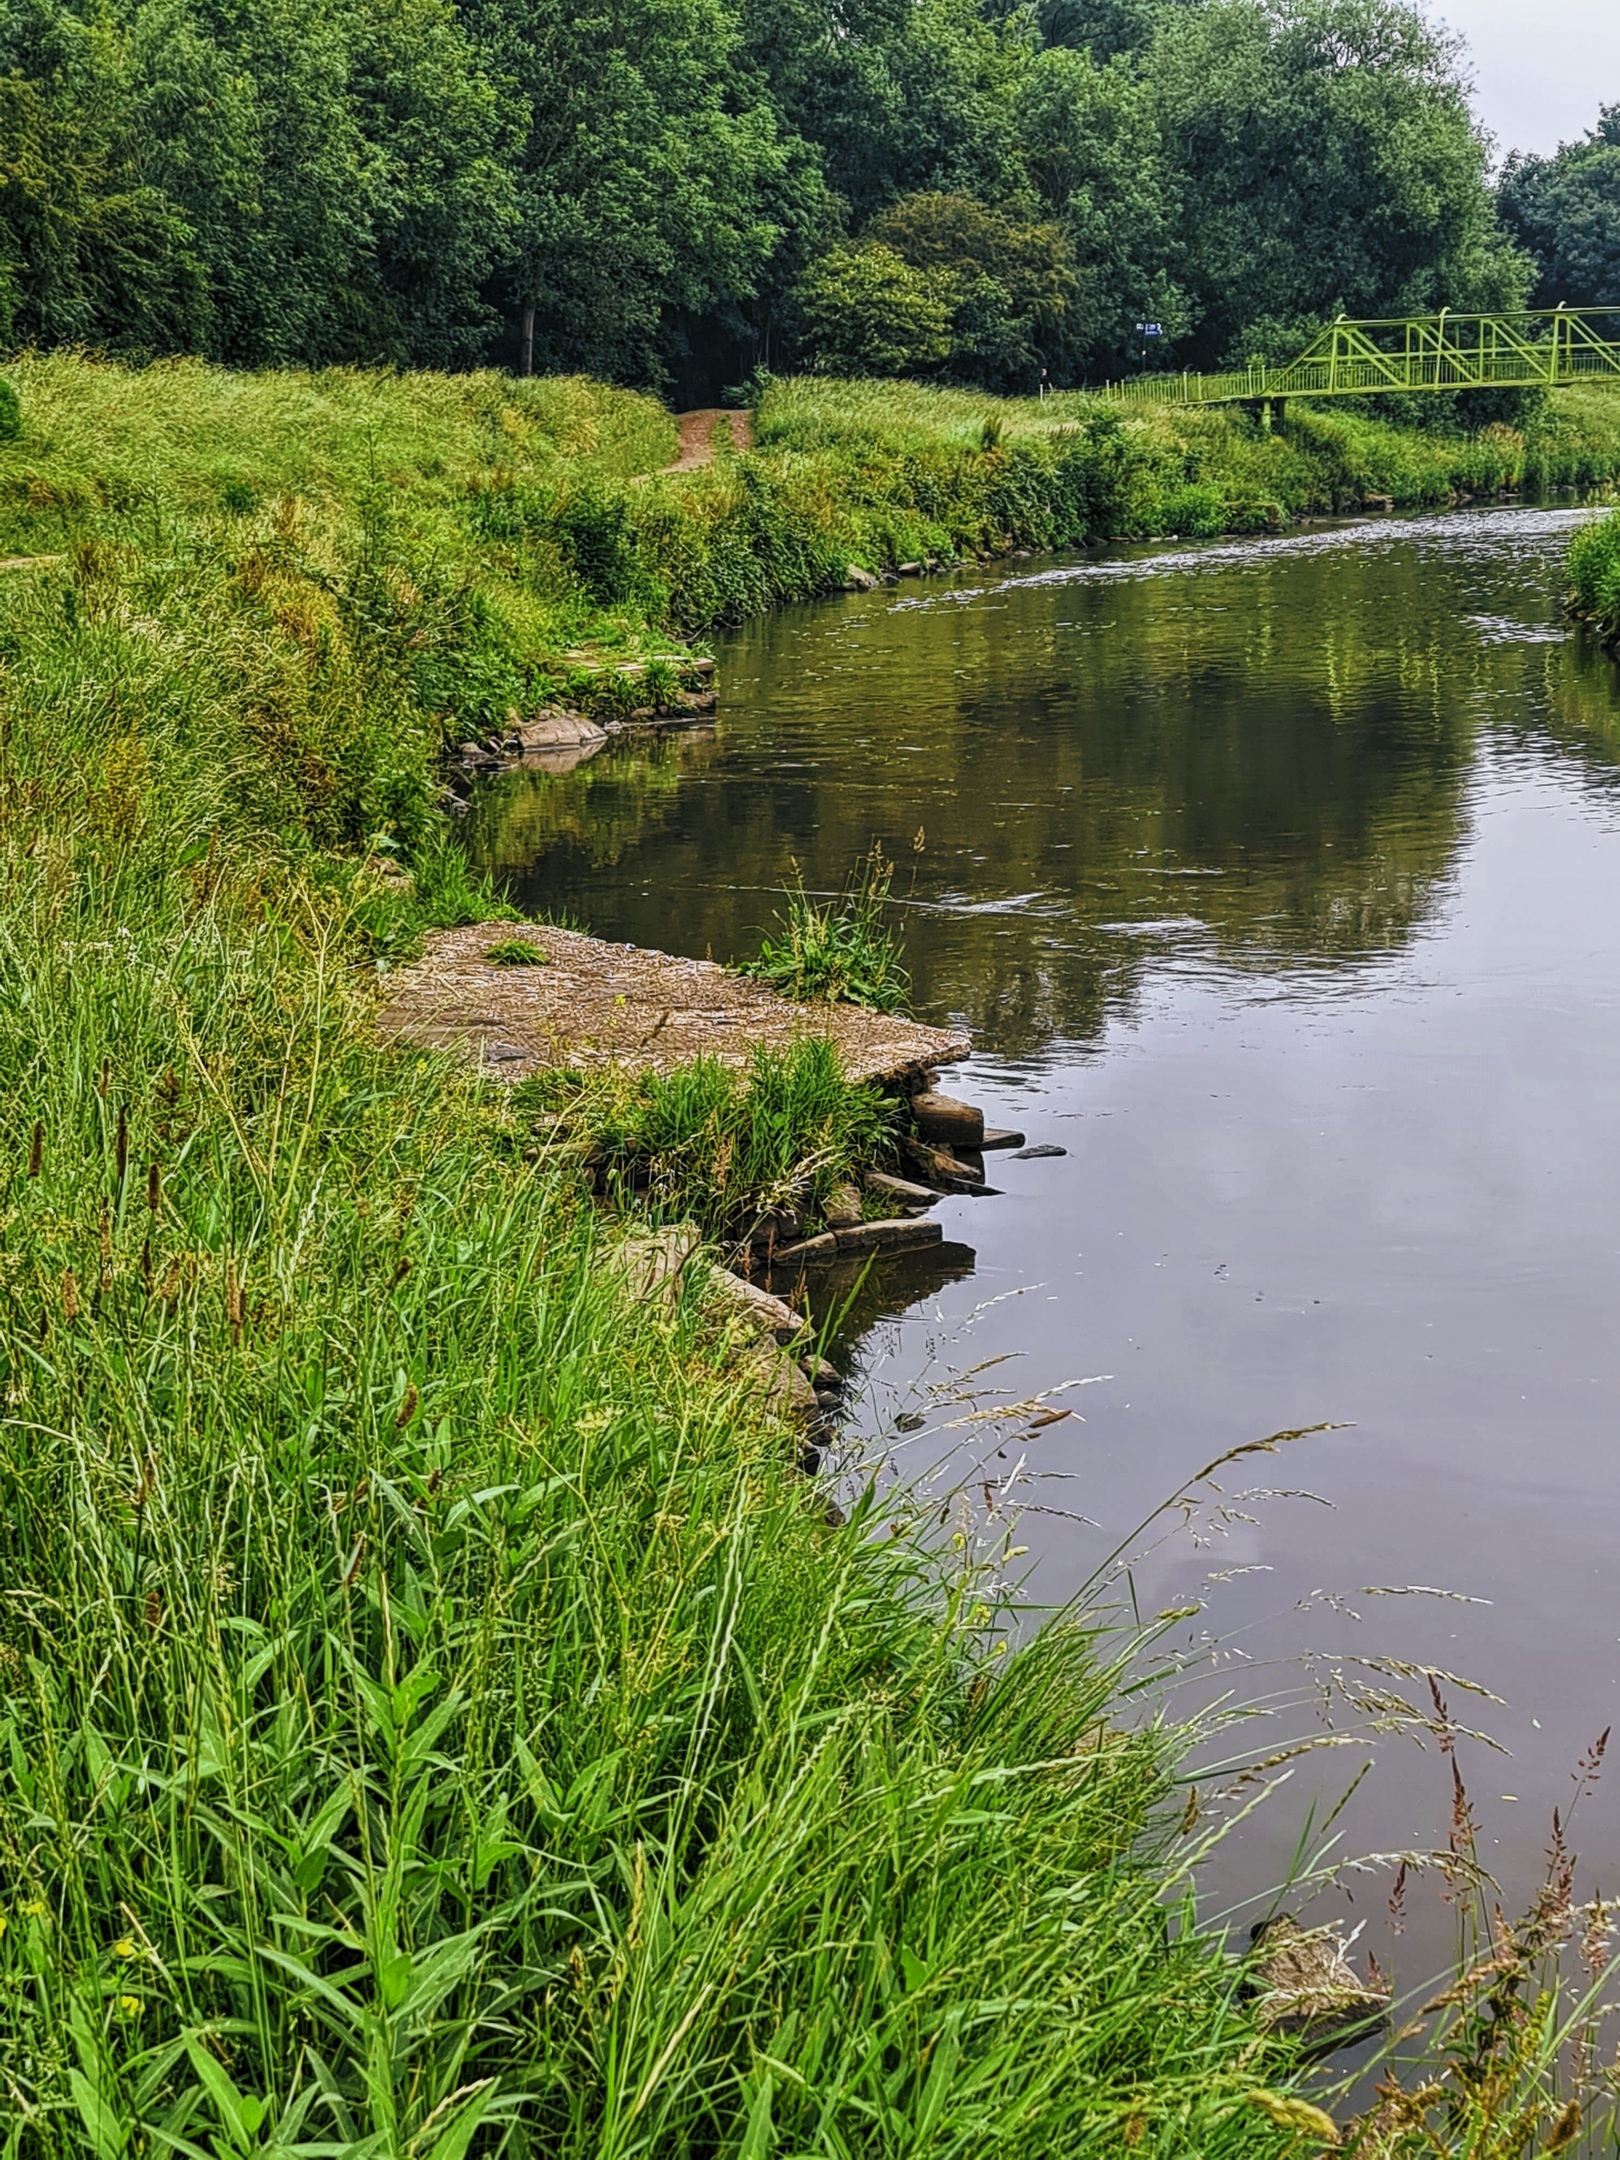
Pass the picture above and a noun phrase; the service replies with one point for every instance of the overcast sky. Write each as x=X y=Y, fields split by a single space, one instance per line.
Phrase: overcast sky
x=1542 y=67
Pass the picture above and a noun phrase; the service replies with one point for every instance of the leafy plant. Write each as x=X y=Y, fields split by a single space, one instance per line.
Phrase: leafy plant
x=517 y=952
x=1593 y=564
x=841 y=951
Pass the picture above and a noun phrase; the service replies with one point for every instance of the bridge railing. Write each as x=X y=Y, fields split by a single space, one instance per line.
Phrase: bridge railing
x=1526 y=349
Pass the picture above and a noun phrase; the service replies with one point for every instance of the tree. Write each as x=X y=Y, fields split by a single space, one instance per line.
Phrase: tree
x=302 y=180
x=895 y=96
x=1566 y=211
x=644 y=185
x=1012 y=282
x=1332 y=163
x=866 y=311
x=1095 y=156
x=95 y=253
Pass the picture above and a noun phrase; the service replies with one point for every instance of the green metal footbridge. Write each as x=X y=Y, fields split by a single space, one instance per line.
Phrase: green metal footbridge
x=1533 y=349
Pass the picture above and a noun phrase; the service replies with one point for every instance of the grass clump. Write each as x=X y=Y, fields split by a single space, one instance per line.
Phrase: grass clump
x=1593 y=564
x=841 y=951
x=721 y=1147
x=517 y=952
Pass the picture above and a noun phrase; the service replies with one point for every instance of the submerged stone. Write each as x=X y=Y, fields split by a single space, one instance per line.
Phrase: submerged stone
x=899 y=1234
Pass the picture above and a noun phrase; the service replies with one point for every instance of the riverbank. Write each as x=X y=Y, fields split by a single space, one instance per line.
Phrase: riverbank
x=1594 y=579
x=529 y=545
x=436 y=1703
x=436 y=1707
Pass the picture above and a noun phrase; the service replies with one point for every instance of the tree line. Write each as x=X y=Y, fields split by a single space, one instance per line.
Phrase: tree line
x=672 y=191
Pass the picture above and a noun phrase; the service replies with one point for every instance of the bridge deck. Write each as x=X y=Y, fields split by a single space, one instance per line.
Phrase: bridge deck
x=1533 y=349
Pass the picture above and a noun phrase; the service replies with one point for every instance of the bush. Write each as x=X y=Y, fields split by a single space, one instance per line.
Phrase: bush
x=10 y=412
x=866 y=311
x=1593 y=564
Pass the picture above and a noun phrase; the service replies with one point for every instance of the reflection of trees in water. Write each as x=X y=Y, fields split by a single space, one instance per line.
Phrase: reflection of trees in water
x=1262 y=758
x=524 y=822
x=1576 y=687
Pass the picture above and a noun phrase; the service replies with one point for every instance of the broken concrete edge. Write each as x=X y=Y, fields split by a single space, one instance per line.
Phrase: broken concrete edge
x=606 y=1003
x=657 y=1265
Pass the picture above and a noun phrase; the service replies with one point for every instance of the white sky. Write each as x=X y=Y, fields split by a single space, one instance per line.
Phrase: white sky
x=1542 y=67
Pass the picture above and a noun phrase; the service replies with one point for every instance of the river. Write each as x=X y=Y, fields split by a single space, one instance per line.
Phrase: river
x=1279 y=883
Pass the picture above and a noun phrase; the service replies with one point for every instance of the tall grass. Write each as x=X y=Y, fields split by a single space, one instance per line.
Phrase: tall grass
x=1594 y=576
x=841 y=951
x=534 y=522
x=722 y=1148
x=435 y=1715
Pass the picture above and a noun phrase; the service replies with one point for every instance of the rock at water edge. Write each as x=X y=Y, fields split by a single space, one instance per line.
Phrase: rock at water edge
x=901 y=1234
x=943 y=1119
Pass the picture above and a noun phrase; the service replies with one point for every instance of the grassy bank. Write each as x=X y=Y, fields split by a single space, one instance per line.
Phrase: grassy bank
x=1594 y=577
x=436 y=1717
x=515 y=532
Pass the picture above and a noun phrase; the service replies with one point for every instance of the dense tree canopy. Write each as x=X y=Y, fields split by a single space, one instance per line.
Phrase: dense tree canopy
x=655 y=189
x=1566 y=211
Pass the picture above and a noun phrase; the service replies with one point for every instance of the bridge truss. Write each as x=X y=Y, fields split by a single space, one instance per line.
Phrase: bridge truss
x=1543 y=348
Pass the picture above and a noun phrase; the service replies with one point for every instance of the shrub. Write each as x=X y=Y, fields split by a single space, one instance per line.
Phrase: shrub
x=1593 y=564
x=866 y=311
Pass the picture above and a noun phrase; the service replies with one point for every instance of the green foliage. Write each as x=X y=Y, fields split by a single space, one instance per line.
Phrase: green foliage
x=724 y=1148
x=866 y=311
x=10 y=412
x=662 y=186
x=649 y=175
x=1566 y=211
x=517 y=952
x=840 y=951
x=1012 y=283
x=1096 y=155
x=1594 y=574
x=430 y=1713
x=1333 y=165
x=291 y=182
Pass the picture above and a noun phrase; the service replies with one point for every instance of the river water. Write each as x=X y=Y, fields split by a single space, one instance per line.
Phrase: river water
x=1279 y=883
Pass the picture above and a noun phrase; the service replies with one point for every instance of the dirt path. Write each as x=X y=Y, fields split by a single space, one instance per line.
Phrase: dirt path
x=698 y=432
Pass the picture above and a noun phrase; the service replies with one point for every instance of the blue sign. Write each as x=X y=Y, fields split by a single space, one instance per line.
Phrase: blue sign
x=1151 y=329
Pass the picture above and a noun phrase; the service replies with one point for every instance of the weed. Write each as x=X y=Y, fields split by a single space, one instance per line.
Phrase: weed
x=838 y=952
x=724 y=1147
x=517 y=952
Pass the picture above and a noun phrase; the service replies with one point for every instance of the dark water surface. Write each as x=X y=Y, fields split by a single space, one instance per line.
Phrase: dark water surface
x=1280 y=884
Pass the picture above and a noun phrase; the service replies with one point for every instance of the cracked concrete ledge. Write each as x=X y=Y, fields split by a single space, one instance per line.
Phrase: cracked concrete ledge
x=593 y=1003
